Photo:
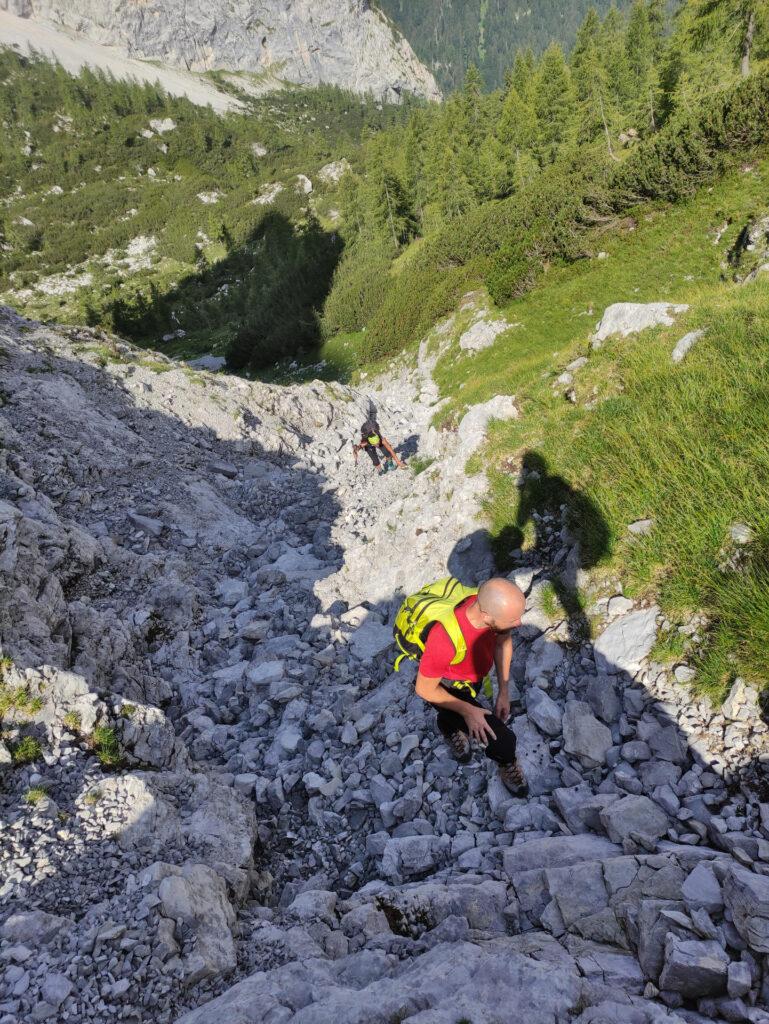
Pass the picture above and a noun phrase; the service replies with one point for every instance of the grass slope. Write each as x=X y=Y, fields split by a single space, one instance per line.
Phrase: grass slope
x=684 y=445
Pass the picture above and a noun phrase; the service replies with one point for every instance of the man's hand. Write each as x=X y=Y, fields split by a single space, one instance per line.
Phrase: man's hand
x=478 y=725
x=502 y=707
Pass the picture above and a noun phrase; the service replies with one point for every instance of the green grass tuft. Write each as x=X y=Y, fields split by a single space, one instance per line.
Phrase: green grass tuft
x=105 y=745
x=35 y=795
x=27 y=750
x=418 y=464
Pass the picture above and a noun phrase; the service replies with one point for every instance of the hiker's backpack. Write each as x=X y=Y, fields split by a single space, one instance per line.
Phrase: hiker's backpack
x=370 y=432
x=436 y=602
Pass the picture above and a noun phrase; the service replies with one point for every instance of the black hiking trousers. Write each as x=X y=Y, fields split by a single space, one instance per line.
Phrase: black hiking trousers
x=373 y=453
x=501 y=749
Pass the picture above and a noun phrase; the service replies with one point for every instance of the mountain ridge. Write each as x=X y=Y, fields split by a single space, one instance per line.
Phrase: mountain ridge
x=305 y=43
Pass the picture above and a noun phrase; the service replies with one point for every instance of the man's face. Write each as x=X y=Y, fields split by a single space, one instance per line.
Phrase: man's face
x=502 y=626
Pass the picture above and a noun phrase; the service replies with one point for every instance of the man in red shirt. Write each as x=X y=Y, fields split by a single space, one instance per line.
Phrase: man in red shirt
x=485 y=622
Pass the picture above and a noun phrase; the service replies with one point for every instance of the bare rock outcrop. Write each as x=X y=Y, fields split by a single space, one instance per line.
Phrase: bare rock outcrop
x=305 y=42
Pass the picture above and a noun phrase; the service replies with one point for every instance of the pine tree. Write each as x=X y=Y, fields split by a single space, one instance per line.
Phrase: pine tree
x=739 y=21
x=522 y=77
x=591 y=82
x=554 y=103
x=644 y=79
x=611 y=44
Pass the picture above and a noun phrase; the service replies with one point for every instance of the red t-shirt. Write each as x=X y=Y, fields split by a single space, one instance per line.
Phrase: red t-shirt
x=439 y=650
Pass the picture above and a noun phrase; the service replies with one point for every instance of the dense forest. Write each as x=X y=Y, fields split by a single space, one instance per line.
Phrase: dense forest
x=450 y=35
x=128 y=208
x=493 y=187
x=170 y=224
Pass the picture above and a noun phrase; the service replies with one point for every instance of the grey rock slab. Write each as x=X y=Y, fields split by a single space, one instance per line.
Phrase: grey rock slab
x=544 y=658
x=603 y=699
x=266 y=673
x=197 y=896
x=55 y=988
x=533 y=755
x=482 y=334
x=584 y=736
x=314 y=905
x=702 y=891
x=626 y=642
x=625 y=318
x=739 y=979
x=409 y=856
x=370 y=639
x=33 y=926
x=694 y=968
x=579 y=891
x=544 y=712
x=152 y=527
x=556 y=852
x=634 y=814
x=684 y=346
x=641 y=527
x=746 y=897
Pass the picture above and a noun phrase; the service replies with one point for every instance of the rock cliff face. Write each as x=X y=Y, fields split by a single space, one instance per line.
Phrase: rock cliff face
x=306 y=42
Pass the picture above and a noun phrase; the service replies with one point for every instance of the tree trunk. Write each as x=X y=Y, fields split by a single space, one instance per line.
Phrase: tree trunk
x=390 y=215
x=606 y=129
x=747 y=43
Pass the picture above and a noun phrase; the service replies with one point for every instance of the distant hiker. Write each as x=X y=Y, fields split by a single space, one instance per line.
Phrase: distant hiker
x=373 y=443
x=458 y=633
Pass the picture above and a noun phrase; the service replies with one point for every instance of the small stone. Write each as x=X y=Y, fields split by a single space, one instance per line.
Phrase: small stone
x=55 y=988
x=739 y=979
x=641 y=527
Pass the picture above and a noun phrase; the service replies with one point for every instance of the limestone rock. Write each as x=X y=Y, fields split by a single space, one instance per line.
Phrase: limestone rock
x=482 y=334
x=197 y=896
x=626 y=318
x=694 y=968
x=626 y=642
x=684 y=346
x=746 y=896
x=584 y=736
x=307 y=43
x=634 y=814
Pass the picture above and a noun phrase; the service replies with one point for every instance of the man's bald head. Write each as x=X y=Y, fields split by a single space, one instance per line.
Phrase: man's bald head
x=501 y=603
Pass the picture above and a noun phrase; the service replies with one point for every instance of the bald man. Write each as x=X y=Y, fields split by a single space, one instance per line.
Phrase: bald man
x=485 y=621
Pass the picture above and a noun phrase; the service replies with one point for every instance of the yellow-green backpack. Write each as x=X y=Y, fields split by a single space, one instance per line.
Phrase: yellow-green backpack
x=436 y=602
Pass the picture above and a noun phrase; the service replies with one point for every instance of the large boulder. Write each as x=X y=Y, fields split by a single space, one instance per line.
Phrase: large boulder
x=556 y=852
x=694 y=968
x=584 y=736
x=625 y=318
x=196 y=896
x=623 y=645
x=634 y=814
x=746 y=896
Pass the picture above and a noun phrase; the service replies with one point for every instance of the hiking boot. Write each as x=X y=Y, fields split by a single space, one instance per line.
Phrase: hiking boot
x=513 y=780
x=459 y=745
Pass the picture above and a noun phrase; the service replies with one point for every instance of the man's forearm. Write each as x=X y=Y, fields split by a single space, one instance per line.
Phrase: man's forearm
x=503 y=656
x=431 y=691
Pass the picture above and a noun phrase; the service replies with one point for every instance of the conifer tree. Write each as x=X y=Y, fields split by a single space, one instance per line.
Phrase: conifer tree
x=640 y=54
x=611 y=44
x=739 y=21
x=591 y=82
x=554 y=102
x=522 y=76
